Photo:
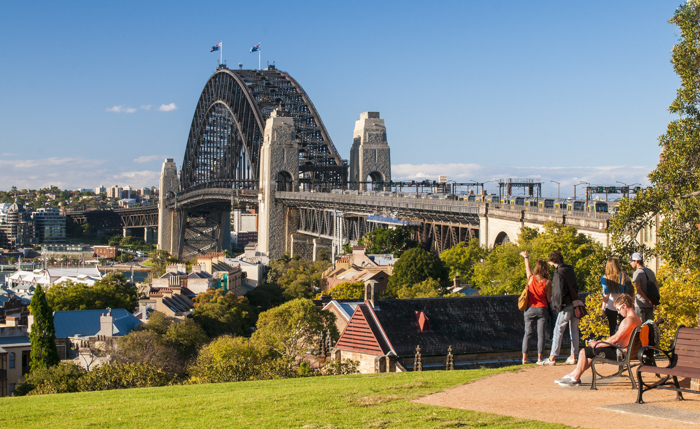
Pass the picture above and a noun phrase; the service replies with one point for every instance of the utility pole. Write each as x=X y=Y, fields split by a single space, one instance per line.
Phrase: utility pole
x=554 y=181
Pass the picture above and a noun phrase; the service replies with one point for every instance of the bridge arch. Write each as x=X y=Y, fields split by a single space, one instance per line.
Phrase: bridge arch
x=226 y=134
x=502 y=238
x=285 y=181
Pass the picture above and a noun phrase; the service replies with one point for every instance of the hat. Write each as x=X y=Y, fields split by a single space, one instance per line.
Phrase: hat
x=636 y=257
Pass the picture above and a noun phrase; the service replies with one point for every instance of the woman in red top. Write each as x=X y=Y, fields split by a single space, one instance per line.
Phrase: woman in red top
x=539 y=294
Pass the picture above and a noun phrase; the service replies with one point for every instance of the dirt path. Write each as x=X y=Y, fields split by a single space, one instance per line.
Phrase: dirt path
x=532 y=394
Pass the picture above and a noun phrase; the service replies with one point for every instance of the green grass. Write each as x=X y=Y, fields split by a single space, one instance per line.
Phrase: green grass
x=367 y=401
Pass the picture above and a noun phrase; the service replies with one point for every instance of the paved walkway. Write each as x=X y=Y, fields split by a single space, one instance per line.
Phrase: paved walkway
x=532 y=394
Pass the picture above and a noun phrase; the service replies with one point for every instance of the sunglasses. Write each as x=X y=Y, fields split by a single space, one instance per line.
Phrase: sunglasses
x=619 y=308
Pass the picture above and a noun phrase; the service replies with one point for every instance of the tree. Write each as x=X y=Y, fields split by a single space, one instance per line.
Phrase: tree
x=124 y=376
x=426 y=289
x=149 y=348
x=43 y=334
x=186 y=336
x=159 y=260
x=158 y=323
x=61 y=378
x=227 y=359
x=112 y=291
x=415 y=266
x=218 y=319
x=294 y=328
x=671 y=204
x=346 y=290
x=265 y=297
x=460 y=260
x=391 y=240
x=239 y=305
x=297 y=278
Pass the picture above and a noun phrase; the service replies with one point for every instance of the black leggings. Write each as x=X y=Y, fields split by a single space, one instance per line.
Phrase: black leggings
x=614 y=319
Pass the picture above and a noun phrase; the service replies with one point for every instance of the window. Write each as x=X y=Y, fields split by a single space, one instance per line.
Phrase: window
x=12 y=360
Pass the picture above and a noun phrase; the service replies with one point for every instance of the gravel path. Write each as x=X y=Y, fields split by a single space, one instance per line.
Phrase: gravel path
x=532 y=394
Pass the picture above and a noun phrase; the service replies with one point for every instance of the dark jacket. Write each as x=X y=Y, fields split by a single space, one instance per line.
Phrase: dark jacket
x=560 y=290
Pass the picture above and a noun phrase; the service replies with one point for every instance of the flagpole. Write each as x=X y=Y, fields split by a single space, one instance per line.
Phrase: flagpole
x=259 y=57
x=221 y=54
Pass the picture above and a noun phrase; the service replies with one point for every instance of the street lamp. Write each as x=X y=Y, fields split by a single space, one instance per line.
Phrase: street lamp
x=554 y=181
x=581 y=183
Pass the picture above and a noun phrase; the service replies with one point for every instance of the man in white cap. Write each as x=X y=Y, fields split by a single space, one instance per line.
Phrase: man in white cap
x=641 y=277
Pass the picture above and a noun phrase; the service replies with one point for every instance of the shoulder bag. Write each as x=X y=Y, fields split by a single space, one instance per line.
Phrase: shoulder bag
x=524 y=300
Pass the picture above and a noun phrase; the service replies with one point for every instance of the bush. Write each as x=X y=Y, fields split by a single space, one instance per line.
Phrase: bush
x=427 y=289
x=124 y=376
x=680 y=298
x=218 y=319
x=340 y=367
x=149 y=348
x=61 y=378
x=227 y=359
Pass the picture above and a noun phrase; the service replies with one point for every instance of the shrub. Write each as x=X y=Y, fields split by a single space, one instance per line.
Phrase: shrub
x=61 y=378
x=226 y=359
x=124 y=376
x=340 y=367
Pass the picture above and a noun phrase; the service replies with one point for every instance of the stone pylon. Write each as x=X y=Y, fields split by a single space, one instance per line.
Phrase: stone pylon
x=168 y=220
x=369 y=155
x=279 y=171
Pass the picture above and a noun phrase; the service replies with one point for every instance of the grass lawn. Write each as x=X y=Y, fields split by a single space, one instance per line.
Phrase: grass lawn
x=352 y=401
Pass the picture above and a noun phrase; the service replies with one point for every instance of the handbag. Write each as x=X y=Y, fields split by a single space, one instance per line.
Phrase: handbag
x=579 y=307
x=524 y=300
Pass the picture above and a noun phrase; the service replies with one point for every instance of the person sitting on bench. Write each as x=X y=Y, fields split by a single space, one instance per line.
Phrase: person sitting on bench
x=625 y=307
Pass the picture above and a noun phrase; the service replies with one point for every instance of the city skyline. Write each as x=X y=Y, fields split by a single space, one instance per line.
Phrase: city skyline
x=102 y=94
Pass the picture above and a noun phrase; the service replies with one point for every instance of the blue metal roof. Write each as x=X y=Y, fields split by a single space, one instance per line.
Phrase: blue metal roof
x=87 y=322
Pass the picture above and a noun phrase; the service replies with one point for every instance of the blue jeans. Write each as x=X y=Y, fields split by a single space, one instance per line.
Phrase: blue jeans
x=565 y=318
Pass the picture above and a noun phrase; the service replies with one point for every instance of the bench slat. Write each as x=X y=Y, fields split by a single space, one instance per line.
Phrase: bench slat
x=687 y=353
x=677 y=371
x=687 y=343
x=688 y=361
x=689 y=333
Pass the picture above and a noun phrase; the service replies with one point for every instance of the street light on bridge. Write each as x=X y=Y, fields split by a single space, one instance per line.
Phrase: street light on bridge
x=554 y=181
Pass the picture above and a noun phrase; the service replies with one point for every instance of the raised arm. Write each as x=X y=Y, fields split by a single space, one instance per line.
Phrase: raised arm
x=527 y=263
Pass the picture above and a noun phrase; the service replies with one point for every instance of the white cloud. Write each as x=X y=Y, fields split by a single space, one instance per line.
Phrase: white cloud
x=167 y=107
x=149 y=158
x=145 y=107
x=121 y=109
x=69 y=173
x=8 y=154
x=566 y=176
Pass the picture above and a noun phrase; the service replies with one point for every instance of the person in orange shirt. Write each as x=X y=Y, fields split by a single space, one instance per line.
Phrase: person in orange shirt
x=624 y=304
x=539 y=290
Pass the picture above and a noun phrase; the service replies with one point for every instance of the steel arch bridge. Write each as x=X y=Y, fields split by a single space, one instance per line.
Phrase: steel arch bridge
x=223 y=146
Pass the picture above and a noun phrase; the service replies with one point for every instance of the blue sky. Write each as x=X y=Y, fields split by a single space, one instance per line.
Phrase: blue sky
x=565 y=91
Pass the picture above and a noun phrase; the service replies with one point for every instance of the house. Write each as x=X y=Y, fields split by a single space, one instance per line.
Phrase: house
x=106 y=252
x=231 y=278
x=86 y=336
x=357 y=267
x=15 y=349
x=343 y=309
x=198 y=280
x=383 y=335
x=174 y=302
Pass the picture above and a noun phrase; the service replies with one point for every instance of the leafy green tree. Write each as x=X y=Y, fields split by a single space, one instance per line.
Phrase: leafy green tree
x=239 y=305
x=346 y=290
x=159 y=260
x=460 y=260
x=426 y=289
x=671 y=204
x=227 y=359
x=391 y=240
x=218 y=319
x=158 y=323
x=293 y=328
x=43 y=334
x=186 y=336
x=297 y=278
x=503 y=270
x=61 y=378
x=416 y=265
x=124 y=376
x=112 y=291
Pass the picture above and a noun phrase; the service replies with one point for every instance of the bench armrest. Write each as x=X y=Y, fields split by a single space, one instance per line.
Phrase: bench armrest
x=644 y=361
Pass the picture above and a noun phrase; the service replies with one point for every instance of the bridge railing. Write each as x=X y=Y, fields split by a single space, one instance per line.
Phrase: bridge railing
x=552 y=211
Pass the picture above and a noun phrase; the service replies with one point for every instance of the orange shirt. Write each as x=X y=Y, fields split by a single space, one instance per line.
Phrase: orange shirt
x=537 y=292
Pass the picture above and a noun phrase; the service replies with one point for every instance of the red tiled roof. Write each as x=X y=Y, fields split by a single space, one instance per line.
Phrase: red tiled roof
x=362 y=334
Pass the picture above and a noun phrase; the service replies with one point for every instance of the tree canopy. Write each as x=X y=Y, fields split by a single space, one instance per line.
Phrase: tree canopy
x=346 y=290
x=112 y=291
x=297 y=278
x=461 y=259
x=390 y=240
x=416 y=265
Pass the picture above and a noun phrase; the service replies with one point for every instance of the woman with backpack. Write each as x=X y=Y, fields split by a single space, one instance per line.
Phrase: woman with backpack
x=539 y=290
x=613 y=286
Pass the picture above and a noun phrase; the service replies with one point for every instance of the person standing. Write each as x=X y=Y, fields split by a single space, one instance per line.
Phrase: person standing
x=562 y=304
x=641 y=278
x=539 y=290
x=613 y=286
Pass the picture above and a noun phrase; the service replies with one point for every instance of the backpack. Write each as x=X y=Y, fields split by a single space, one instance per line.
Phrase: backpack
x=651 y=291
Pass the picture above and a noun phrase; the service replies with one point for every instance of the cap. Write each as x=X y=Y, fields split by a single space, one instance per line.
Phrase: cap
x=636 y=257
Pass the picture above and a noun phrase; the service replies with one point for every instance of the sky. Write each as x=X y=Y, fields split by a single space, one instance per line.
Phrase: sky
x=99 y=93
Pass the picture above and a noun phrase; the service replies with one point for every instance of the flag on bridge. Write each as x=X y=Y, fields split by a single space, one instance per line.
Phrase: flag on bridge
x=216 y=47
x=255 y=48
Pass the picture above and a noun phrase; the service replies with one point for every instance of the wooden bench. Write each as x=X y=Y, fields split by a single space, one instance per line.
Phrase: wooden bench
x=684 y=361
x=627 y=358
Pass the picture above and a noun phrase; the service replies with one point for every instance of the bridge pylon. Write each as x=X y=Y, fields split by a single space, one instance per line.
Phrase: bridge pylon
x=369 y=155
x=168 y=220
x=279 y=171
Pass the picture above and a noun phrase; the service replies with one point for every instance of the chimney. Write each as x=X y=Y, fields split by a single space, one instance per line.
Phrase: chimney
x=107 y=323
x=372 y=292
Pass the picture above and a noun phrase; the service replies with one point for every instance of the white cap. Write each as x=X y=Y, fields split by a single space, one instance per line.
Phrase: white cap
x=636 y=257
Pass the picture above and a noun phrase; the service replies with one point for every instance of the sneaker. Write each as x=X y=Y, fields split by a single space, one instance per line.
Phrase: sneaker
x=570 y=383
x=563 y=379
x=548 y=362
x=540 y=362
x=571 y=360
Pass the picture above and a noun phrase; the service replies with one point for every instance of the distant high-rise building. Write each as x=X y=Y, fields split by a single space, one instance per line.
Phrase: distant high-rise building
x=18 y=229
x=114 y=192
x=100 y=190
x=49 y=226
